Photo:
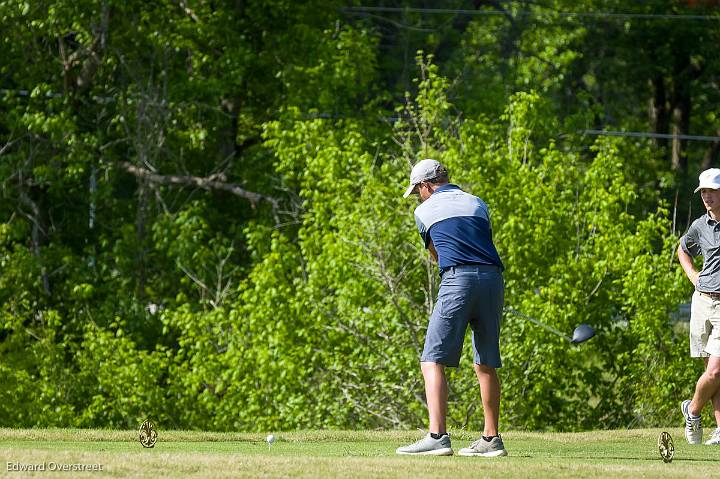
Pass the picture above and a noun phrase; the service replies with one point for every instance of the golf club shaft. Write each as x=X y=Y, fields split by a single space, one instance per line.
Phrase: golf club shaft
x=535 y=321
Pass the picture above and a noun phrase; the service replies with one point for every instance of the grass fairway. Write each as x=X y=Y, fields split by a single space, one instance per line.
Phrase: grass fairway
x=314 y=454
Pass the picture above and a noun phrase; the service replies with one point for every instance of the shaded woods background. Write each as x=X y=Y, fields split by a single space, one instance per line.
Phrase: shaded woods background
x=201 y=217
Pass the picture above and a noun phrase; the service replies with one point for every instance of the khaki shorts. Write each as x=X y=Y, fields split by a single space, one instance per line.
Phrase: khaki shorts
x=704 y=326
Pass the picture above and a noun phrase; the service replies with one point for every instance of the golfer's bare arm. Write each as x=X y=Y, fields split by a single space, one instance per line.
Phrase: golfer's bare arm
x=686 y=262
x=431 y=248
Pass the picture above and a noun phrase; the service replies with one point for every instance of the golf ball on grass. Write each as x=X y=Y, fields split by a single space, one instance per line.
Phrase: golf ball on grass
x=270 y=439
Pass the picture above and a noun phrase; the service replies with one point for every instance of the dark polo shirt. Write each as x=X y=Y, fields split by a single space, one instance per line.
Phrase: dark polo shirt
x=703 y=238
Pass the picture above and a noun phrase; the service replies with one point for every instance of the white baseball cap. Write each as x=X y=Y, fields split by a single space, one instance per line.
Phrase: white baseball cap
x=427 y=169
x=709 y=179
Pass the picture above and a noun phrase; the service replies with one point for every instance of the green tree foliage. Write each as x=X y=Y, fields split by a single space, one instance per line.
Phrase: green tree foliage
x=202 y=222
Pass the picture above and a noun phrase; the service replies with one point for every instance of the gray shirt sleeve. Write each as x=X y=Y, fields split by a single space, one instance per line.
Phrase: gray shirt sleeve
x=690 y=242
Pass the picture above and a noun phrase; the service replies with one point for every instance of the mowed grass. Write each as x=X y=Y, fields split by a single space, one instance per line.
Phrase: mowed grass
x=348 y=454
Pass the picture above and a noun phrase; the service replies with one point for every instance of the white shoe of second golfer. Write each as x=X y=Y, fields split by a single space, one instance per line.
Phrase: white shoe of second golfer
x=693 y=425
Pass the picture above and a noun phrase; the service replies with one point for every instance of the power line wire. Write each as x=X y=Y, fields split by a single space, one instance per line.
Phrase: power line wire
x=647 y=134
x=393 y=119
x=5 y=91
x=446 y=11
x=634 y=134
x=48 y=94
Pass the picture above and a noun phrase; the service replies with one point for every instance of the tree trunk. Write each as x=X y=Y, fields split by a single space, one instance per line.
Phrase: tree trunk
x=140 y=221
x=39 y=231
x=710 y=158
x=681 y=122
x=680 y=104
x=659 y=110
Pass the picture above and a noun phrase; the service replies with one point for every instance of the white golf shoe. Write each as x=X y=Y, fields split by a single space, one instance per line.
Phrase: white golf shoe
x=428 y=446
x=483 y=448
x=714 y=438
x=693 y=424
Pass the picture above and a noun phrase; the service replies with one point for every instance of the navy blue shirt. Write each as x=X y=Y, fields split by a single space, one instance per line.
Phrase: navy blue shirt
x=458 y=224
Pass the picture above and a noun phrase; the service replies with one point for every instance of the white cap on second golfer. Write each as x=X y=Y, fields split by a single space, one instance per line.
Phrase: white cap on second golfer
x=709 y=179
x=424 y=170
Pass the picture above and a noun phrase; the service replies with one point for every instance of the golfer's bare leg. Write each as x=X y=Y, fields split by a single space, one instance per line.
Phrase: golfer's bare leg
x=715 y=400
x=490 y=394
x=436 y=393
x=707 y=386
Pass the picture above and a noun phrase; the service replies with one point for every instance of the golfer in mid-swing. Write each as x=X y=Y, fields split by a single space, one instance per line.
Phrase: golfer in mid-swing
x=455 y=227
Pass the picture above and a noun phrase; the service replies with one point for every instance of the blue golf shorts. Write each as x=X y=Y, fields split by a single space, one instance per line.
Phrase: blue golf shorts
x=469 y=295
